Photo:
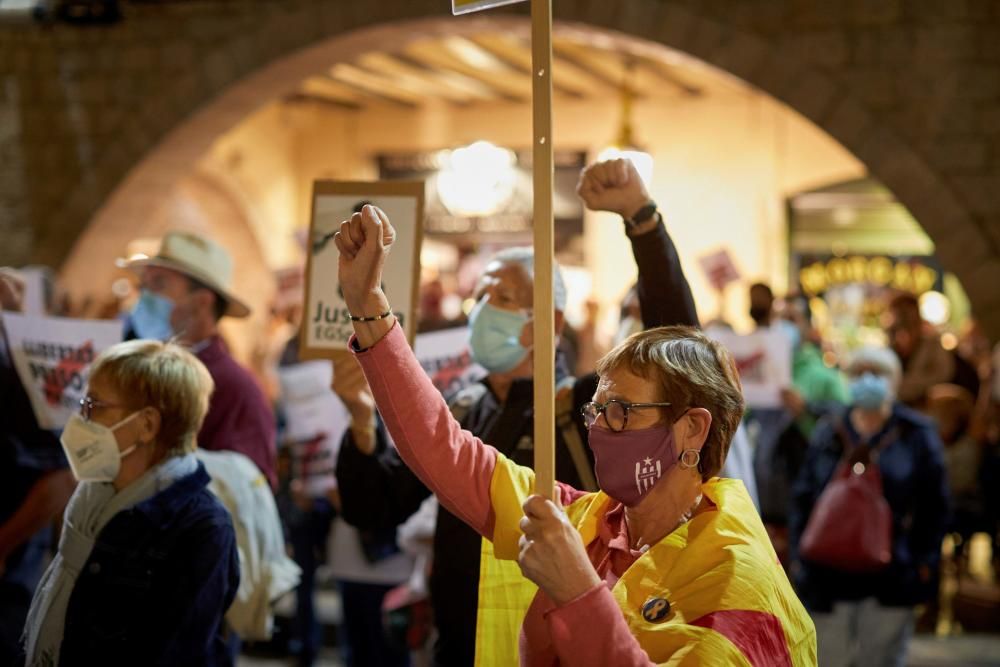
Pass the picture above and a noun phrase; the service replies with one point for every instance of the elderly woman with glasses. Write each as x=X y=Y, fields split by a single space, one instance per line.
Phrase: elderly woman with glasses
x=147 y=562
x=666 y=564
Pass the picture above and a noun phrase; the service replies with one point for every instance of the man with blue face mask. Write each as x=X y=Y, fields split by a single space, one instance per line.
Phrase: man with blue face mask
x=378 y=490
x=184 y=291
x=873 y=612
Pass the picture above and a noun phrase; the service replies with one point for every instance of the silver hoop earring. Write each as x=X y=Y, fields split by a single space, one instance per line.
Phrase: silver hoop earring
x=689 y=458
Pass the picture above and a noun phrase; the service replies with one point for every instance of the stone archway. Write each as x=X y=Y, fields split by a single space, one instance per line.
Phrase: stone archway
x=855 y=72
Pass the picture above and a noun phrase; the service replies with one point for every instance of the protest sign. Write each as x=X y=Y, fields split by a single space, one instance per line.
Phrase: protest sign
x=764 y=360
x=315 y=421
x=52 y=356
x=719 y=269
x=468 y=6
x=326 y=325
x=34 y=290
x=447 y=360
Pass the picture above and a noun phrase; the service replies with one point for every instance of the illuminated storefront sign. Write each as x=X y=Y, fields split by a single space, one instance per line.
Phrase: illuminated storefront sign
x=907 y=275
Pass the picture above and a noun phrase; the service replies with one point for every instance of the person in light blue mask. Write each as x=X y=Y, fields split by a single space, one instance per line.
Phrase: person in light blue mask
x=376 y=489
x=867 y=619
x=500 y=331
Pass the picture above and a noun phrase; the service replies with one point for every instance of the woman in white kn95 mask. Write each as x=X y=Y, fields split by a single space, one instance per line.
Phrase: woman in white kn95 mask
x=147 y=562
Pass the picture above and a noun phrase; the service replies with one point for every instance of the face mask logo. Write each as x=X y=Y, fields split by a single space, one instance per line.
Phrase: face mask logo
x=151 y=316
x=646 y=475
x=92 y=449
x=630 y=463
x=495 y=337
x=870 y=391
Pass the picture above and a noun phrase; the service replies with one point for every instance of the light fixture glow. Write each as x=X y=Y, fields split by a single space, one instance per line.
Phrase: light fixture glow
x=935 y=307
x=477 y=180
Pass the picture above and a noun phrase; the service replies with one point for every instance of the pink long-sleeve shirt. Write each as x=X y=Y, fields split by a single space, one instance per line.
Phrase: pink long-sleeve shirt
x=458 y=467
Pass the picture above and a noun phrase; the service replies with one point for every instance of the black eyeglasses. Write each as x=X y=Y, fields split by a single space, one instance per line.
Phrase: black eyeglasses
x=615 y=412
x=88 y=403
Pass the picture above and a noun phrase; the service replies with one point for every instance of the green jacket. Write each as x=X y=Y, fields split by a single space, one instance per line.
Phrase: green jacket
x=822 y=387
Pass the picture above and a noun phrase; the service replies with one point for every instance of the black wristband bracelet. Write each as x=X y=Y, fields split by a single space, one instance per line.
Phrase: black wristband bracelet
x=643 y=215
x=376 y=318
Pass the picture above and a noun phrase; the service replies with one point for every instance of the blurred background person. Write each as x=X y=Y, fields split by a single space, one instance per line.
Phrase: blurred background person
x=868 y=619
x=952 y=409
x=924 y=361
x=185 y=290
x=781 y=434
x=35 y=484
x=761 y=305
x=147 y=562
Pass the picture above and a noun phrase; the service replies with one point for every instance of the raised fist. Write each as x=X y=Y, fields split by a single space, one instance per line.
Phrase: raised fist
x=363 y=242
x=11 y=290
x=613 y=185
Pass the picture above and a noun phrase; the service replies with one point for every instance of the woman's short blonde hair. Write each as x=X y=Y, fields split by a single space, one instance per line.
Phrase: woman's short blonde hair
x=165 y=376
x=693 y=371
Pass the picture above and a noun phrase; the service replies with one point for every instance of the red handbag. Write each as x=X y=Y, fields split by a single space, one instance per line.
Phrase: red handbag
x=850 y=528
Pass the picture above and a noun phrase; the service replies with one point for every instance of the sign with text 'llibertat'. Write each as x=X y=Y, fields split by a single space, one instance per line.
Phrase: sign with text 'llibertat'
x=326 y=325
x=468 y=6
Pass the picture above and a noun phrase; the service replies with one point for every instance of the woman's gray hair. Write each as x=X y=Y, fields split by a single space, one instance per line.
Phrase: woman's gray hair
x=525 y=256
x=879 y=357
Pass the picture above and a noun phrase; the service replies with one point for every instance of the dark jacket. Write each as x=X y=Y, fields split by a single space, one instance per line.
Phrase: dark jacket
x=914 y=485
x=381 y=490
x=27 y=455
x=156 y=586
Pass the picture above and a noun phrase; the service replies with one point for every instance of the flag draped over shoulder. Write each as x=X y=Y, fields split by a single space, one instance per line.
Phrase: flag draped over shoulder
x=729 y=600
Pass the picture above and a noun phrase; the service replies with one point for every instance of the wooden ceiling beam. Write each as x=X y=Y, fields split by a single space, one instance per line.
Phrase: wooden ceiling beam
x=517 y=54
x=306 y=98
x=333 y=91
x=466 y=58
x=453 y=87
x=669 y=75
x=375 y=84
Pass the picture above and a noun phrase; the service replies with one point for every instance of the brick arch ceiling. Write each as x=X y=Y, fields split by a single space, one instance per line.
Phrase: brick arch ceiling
x=261 y=57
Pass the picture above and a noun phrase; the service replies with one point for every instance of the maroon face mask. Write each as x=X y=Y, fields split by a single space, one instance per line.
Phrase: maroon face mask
x=630 y=463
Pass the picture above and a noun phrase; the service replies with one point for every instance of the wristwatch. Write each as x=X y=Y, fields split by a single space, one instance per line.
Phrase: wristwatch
x=642 y=216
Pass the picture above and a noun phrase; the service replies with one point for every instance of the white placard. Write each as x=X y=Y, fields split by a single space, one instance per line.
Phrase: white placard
x=764 y=359
x=326 y=326
x=34 y=290
x=52 y=356
x=446 y=358
x=299 y=381
x=315 y=422
x=459 y=7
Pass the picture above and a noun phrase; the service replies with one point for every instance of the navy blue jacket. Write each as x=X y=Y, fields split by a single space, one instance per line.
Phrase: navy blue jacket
x=156 y=586
x=915 y=486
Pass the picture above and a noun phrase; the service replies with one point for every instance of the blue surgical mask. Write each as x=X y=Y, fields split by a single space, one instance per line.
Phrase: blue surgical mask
x=495 y=337
x=151 y=316
x=869 y=391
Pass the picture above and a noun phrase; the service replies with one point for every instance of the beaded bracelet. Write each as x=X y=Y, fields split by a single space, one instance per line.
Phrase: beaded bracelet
x=376 y=318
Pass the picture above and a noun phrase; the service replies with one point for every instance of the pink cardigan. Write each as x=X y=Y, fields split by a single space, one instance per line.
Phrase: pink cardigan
x=458 y=468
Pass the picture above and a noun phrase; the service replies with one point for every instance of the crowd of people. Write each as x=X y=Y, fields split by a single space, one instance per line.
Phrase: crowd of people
x=686 y=527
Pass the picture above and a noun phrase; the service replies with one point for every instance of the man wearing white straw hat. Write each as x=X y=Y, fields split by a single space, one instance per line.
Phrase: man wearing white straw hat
x=186 y=288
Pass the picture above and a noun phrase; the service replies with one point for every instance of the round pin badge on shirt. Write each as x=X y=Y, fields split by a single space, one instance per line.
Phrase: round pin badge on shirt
x=655 y=609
